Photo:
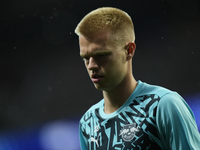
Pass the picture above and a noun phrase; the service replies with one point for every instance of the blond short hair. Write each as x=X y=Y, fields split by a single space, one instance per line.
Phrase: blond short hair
x=117 y=22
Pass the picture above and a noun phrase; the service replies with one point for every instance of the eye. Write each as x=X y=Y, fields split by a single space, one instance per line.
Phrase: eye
x=101 y=55
x=86 y=59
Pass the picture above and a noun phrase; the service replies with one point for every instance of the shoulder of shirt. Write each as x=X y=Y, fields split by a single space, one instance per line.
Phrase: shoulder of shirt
x=147 y=89
x=91 y=110
x=167 y=97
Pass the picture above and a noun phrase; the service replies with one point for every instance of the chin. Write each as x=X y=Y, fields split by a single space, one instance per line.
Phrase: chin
x=102 y=88
x=99 y=87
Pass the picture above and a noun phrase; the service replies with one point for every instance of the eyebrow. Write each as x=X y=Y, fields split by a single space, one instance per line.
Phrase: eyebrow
x=95 y=52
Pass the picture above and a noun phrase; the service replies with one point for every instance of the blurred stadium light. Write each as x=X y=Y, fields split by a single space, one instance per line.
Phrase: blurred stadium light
x=59 y=135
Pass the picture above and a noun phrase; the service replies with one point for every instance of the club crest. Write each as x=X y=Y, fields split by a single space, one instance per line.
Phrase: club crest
x=128 y=132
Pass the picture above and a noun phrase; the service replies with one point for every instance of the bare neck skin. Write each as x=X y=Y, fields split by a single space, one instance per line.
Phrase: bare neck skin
x=116 y=98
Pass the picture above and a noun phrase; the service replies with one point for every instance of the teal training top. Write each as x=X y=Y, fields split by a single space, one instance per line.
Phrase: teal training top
x=152 y=118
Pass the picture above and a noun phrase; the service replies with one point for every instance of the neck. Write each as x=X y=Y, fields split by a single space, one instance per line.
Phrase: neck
x=115 y=98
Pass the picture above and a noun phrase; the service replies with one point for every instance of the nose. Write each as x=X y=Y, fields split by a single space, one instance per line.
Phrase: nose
x=92 y=64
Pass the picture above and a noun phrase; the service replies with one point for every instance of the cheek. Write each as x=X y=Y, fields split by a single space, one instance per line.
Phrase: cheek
x=116 y=70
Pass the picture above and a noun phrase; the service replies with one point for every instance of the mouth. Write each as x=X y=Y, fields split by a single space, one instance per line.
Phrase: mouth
x=96 y=78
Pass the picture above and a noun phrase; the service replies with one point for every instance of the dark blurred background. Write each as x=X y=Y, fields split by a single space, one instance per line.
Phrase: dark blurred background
x=44 y=86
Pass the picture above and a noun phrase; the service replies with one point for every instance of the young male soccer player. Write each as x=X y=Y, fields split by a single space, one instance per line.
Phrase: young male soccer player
x=132 y=114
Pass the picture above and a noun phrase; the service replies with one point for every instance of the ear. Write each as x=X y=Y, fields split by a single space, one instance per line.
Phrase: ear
x=130 y=48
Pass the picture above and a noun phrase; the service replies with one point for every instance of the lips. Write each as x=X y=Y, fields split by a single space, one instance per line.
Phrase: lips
x=96 y=78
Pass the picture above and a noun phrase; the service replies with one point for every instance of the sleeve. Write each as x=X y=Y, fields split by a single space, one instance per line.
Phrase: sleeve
x=83 y=140
x=176 y=124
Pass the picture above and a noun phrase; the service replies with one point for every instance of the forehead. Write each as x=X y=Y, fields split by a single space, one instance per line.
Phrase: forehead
x=94 y=46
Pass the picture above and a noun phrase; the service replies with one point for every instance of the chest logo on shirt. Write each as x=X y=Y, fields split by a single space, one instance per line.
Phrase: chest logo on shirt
x=128 y=132
x=96 y=129
x=95 y=140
